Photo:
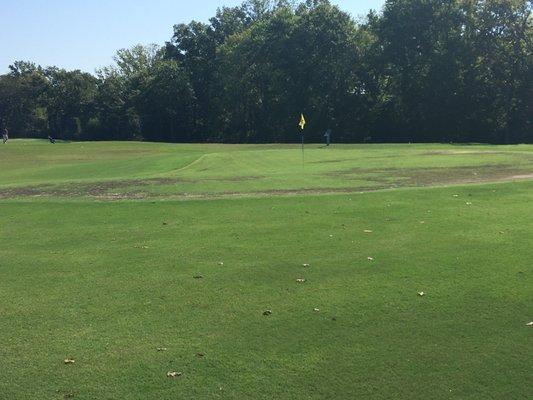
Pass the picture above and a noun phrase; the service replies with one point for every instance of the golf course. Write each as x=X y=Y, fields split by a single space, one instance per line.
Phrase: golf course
x=153 y=271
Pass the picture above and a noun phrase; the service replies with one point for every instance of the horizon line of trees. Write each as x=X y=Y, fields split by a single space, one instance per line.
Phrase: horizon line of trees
x=418 y=71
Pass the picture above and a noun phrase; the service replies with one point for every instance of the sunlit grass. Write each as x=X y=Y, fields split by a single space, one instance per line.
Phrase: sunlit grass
x=108 y=283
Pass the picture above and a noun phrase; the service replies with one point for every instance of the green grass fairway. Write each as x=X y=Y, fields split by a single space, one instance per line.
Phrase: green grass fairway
x=112 y=250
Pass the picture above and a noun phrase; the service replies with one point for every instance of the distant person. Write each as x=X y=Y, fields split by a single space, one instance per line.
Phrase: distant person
x=327 y=135
x=5 y=135
x=51 y=139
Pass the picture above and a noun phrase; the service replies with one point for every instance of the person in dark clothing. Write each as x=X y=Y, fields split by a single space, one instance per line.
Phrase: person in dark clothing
x=327 y=135
x=51 y=139
x=5 y=135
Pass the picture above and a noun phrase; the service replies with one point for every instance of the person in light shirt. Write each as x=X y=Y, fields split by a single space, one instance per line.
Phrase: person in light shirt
x=5 y=135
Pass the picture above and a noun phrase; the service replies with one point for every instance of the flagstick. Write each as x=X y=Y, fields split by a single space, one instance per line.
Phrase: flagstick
x=303 y=153
x=302 y=126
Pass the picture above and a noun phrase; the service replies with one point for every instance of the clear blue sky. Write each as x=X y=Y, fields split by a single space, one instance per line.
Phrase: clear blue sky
x=84 y=34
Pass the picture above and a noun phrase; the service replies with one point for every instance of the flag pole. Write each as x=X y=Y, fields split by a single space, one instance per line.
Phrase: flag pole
x=303 y=153
x=302 y=126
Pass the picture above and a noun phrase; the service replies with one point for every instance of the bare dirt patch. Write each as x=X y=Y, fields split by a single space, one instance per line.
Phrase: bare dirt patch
x=332 y=161
x=526 y=176
x=79 y=189
x=519 y=154
x=117 y=189
x=435 y=176
x=461 y=152
x=378 y=179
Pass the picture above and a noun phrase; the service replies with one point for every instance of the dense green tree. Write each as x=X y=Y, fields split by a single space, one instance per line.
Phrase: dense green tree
x=453 y=70
x=303 y=60
x=500 y=37
x=69 y=102
x=121 y=99
x=21 y=99
x=418 y=70
x=167 y=104
x=111 y=120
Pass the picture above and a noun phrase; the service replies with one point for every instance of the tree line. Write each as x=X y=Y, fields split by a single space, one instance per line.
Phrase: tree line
x=417 y=71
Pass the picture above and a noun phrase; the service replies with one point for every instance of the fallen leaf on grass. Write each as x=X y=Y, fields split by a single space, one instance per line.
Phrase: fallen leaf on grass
x=367 y=231
x=529 y=324
x=162 y=349
x=301 y=280
x=306 y=265
x=173 y=374
x=267 y=312
x=69 y=361
x=200 y=355
x=316 y=309
x=370 y=258
x=421 y=294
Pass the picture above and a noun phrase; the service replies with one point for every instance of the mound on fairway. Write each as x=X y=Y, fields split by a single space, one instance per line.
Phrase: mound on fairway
x=138 y=260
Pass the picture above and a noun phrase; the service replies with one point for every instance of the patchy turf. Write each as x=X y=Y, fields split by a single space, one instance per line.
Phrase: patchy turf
x=144 y=171
x=133 y=290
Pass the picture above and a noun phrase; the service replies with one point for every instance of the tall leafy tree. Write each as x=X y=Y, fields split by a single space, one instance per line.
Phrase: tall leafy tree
x=21 y=99
x=70 y=102
x=419 y=70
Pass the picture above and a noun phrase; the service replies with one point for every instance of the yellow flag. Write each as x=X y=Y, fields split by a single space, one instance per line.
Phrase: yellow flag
x=302 y=122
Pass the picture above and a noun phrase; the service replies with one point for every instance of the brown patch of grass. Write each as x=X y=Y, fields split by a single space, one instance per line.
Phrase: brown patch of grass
x=461 y=152
x=386 y=178
x=434 y=176
x=331 y=161
x=105 y=189
x=457 y=175
x=526 y=176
